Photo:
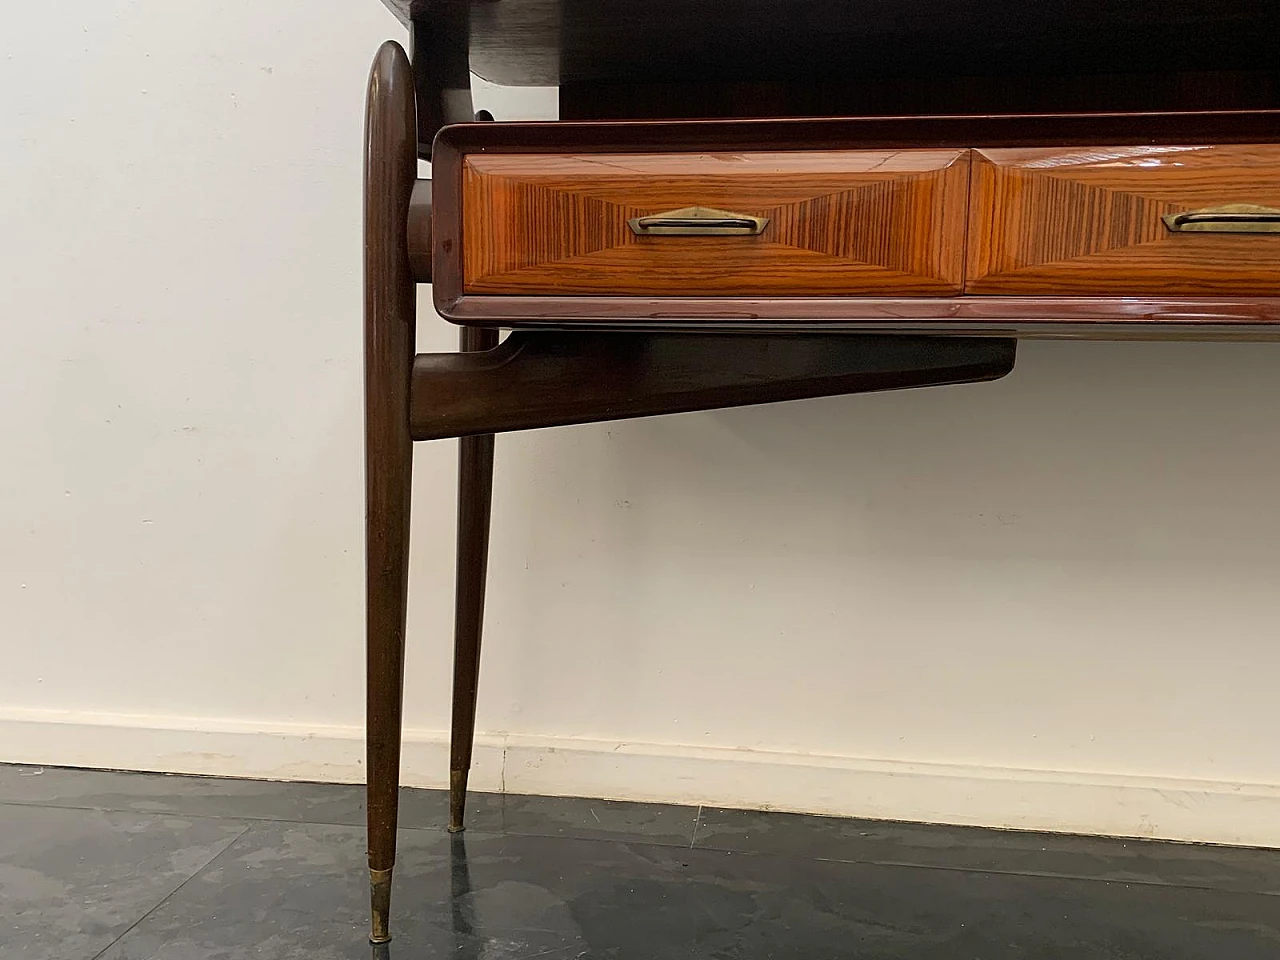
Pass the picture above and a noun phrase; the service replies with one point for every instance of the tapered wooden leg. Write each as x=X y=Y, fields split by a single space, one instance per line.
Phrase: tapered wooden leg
x=390 y=164
x=475 y=496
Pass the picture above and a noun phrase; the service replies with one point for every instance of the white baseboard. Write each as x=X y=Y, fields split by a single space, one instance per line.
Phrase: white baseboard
x=1062 y=801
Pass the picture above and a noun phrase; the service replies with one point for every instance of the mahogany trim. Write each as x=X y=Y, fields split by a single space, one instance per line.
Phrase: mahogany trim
x=1006 y=316
x=863 y=133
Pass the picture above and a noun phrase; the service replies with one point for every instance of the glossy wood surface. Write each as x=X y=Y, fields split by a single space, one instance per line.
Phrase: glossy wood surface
x=857 y=222
x=1098 y=318
x=931 y=94
x=550 y=42
x=930 y=132
x=1087 y=221
x=390 y=164
x=1217 y=312
x=644 y=354
x=475 y=499
x=553 y=378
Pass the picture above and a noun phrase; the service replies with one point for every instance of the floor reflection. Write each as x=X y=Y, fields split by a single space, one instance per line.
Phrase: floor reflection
x=496 y=919
x=466 y=945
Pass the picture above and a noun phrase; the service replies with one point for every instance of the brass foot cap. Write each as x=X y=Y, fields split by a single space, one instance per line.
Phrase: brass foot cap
x=457 y=799
x=380 y=905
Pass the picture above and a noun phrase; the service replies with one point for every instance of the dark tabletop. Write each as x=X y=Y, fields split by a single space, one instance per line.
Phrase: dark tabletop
x=547 y=42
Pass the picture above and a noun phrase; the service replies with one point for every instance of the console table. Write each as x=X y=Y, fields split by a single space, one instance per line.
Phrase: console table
x=757 y=200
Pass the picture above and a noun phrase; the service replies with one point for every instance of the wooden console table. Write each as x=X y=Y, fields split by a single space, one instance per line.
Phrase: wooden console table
x=757 y=200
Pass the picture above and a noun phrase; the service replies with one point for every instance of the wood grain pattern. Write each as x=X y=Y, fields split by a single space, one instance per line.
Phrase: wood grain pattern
x=1086 y=221
x=841 y=223
x=1166 y=313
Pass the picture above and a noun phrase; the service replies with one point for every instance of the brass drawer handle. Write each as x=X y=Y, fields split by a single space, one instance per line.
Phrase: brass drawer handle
x=708 y=225
x=697 y=222
x=1231 y=218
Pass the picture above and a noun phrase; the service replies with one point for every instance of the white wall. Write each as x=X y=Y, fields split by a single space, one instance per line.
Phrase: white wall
x=1049 y=601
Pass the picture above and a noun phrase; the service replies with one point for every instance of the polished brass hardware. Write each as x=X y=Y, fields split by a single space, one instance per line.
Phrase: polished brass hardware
x=697 y=222
x=1230 y=218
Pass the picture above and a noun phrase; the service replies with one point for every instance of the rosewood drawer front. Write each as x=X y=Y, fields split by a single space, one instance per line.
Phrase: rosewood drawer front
x=1127 y=221
x=774 y=224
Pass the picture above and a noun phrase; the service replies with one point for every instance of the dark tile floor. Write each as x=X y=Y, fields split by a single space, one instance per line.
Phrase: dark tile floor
x=119 y=866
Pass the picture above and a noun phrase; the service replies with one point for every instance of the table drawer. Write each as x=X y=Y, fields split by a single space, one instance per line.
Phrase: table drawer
x=742 y=224
x=1127 y=221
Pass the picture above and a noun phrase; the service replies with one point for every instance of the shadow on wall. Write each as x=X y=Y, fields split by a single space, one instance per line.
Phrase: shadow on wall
x=1111 y=453
x=1069 y=547
x=1099 y=452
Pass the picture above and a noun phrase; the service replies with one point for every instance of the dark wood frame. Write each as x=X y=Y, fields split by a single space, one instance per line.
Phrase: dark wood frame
x=705 y=357
x=531 y=380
